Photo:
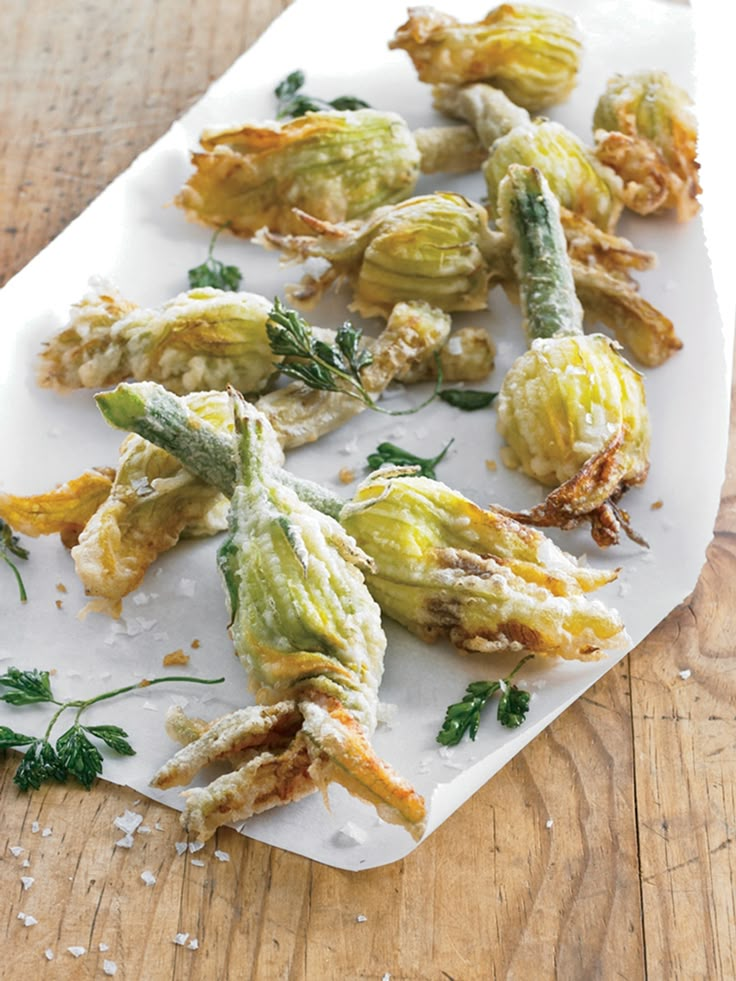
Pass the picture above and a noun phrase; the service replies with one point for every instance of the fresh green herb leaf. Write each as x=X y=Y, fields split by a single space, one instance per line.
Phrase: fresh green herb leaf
x=74 y=753
x=214 y=273
x=467 y=399
x=9 y=738
x=114 y=737
x=325 y=367
x=10 y=545
x=26 y=687
x=390 y=453
x=464 y=717
x=292 y=102
x=79 y=756
x=39 y=764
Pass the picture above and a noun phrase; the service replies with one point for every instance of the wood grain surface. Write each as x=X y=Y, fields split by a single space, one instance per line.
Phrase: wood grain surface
x=635 y=876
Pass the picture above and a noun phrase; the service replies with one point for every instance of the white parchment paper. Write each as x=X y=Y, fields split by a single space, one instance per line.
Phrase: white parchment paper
x=130 y=236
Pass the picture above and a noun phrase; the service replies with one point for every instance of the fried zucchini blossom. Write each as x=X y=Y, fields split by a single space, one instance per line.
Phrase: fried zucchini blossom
x=572 y=410
x=645 y=130
x=530 y=53
x=440 y=565
x=435 y=247
x=203 y=339
x=309 y=635
x=334 y=165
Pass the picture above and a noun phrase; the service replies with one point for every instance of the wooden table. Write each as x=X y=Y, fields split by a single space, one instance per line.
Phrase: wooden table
x=635 y=877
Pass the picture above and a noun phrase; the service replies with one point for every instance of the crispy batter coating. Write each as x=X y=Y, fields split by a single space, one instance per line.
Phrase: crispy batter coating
x=445 y=567
x=646 y=132
x=205 y=338
x=531 y=53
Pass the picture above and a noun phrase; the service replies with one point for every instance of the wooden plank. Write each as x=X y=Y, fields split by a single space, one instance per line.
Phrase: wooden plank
x=685 y=733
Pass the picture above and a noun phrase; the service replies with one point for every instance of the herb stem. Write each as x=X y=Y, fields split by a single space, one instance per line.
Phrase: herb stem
x=18 y=579
x=83 y=704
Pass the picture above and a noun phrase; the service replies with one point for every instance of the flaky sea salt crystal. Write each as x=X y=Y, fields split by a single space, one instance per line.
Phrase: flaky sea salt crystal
x=128 y=821
x=140 y=599
x=27 y=881
x=186 y=587
x=180 y=846
x=198 y=862
x=102 y=948
x=351 y=834
x=77 y=951
x=150 y=707
x=360 y=918
x=180 y=939
x=35 y=828
x=48 y=954
x=148 y=877
x=193 y=944
x=387 y=714
x=144 y=830
x=685 y=673
x=110 y=968
x=47 y=832
x=549 y=822
x=196 y=846
x=125 y=842
x=16 y=850
x=222 y=856
x=28 y=920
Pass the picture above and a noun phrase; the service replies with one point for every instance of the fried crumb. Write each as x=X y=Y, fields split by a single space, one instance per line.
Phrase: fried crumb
x=196 y=644
x=175 y=657
x=491 y=465
x=61 y=588
x=656 y=505
x=346 y=475
x=58 y=604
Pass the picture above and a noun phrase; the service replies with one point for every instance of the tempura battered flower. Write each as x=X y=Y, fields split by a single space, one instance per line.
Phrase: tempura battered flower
x=201 y=339
x=309 y=634
x=436 y=247
x=444 y=567
x=578 y=180
x=531 y=53
x=571 y=409
x=646 y=132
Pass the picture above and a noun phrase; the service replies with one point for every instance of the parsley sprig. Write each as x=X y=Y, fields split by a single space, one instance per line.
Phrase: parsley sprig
x=214 y=273
x=390 y=453
x=326 y=367
x=74 y=754
x=292 y=102
x=464 y=716
x=10 y=545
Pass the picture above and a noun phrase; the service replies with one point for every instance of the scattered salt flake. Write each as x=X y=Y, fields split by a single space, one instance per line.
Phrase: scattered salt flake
x=77 y=951
x=47 y=832
x=136 y=802
x=186 y=587
x=110 y=968
x=181 y=847
x=222 y=856
x=181 y=938
x=28 y=920
x=16 y=850
x=25 y=864
x=446 y=754
x=351 y=834
x=125 y=842
x=539 y=684
x=158 y=826
x=27 y=881
x=193 y=944
x=148 y=877
x=386 y=977
x=140 y=599
x=162 y=635
x=102 y=948
x=198 y=862
x=140 y=626
x=196 y=846
x=48 y=954
x=144 y=830
x=35 y=828
x=181 y=701
x=424 y=766
x=350 y=447
x=150 y=707
x=549 y=822
x=624 y=588
x=360 y=918
x=685 y=673
x=387 y=714
x=128 y=821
